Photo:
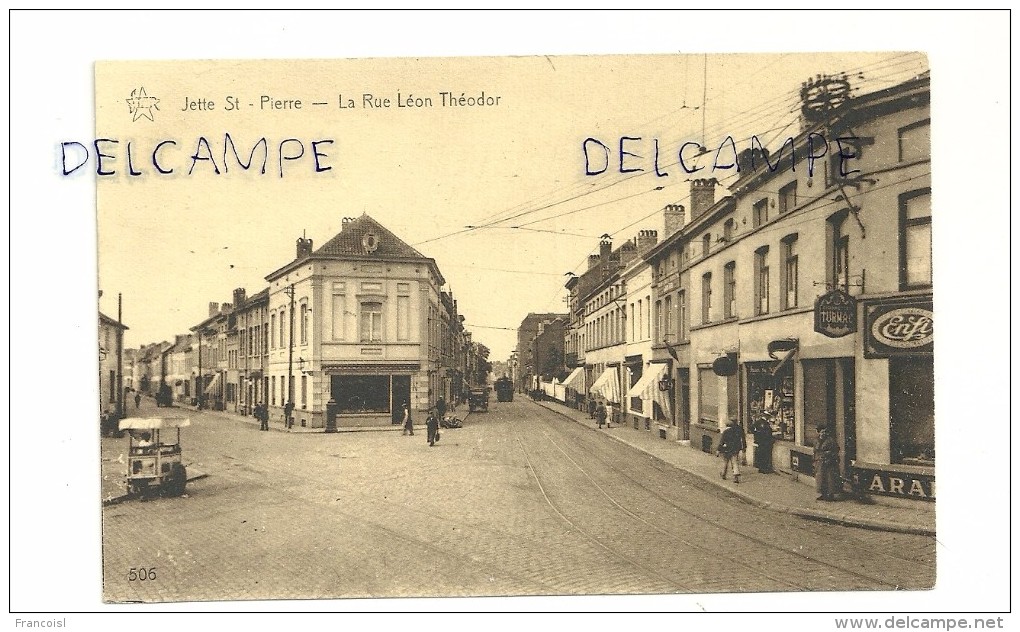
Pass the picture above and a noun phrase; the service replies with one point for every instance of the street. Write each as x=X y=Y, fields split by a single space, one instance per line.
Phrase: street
x=520 y=501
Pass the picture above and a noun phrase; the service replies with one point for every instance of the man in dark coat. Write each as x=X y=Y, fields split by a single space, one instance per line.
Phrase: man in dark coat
x=262 y=414
x=731 y=447
x=441 y=408
x=827 y=479
x=432 y=425
x=763 y=439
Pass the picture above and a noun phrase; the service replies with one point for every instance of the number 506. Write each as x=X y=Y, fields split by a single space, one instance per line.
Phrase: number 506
x=141 y=574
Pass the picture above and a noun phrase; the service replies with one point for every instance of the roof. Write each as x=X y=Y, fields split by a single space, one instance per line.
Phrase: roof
x=349 y=242
x=106 y=320
x=352 y=243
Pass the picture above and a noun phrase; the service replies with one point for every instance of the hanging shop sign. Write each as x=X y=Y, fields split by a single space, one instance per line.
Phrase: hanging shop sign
x=725 y=365
x=899 y=328
x=836 y=314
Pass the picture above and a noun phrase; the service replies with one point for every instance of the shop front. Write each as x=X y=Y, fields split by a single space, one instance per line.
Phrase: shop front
x=370 y=395
x=899 y=358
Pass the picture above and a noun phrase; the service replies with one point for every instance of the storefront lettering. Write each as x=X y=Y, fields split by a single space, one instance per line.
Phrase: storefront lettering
x=905 y=328
x=884 y=483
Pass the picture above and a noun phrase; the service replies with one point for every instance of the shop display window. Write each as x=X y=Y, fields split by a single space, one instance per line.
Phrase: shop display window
x=770 y=397
x=912 y=410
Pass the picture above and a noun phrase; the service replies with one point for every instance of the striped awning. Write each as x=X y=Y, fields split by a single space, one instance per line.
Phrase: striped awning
x=608 y=385
x=575 y=380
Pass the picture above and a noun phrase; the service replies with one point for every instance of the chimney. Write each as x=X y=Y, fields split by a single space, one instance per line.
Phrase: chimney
x=702 y=196
x=304 y=247
x=605 y=248
x=646 y=239
x=214 y=309
x=674 y=218
x=345 y=222
x=593 y=260
x=239 y=296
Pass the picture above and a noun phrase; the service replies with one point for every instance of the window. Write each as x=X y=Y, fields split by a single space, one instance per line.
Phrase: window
x=283 y=328
x=788 y=291
x=915 y=141
x=912 y=410
x=915 y=239
x=304 y=392
x=667 y=307
x=706 y=297
x=633 y=323
x=648 y=321
x=403 y=317
x=681 y=318
x=729 y=226
x=339 y=316
x=706 y=244
x=640 y=317
x=272 y=328
x=304 y=323
x=371 y=322
x=788 y=198
x=761 y=212
x=730 y=290
x=839 y=252
x=708 y=396
x=272 y=392
x=761 y=280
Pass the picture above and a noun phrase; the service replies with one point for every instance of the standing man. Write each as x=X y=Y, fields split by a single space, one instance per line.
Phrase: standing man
x=731 y=447
x=827 y=479
x=288 y=410
x=432 y=425
x=763 y=439
x=601 y=414
x=441 y=407
x=262 y=413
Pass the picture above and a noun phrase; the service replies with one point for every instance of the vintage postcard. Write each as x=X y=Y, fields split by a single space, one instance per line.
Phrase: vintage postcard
x=390 y=329
x=547 y=325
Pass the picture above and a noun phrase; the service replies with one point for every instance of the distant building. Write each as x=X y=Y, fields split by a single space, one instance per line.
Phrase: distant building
x=526 y=332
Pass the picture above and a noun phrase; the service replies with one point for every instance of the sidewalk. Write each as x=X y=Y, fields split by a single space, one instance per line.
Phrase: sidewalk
x=276 y=425
x=776 y=492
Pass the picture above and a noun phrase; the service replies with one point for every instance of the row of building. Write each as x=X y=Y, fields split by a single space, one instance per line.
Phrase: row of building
x=802 y=296
x=363 y=323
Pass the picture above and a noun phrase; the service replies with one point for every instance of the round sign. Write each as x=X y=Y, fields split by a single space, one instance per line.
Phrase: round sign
x=725 y=365
x=904 y=328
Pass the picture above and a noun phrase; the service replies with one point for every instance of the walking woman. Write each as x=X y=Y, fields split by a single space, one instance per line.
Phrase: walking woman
x=408 y=425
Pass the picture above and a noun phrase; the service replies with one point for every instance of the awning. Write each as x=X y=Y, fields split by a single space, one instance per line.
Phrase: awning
x=575 y=380
x=213 y=384
x=608 y=385
x=782 y=363
x=647 y=388
x=153 y=423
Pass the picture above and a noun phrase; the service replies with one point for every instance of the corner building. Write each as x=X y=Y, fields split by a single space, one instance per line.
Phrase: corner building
x=361 y=320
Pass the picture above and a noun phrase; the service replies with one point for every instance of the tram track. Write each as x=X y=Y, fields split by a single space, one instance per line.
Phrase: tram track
x=755 y=553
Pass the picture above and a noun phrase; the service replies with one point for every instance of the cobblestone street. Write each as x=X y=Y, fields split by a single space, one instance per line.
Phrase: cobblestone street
x=518 y=502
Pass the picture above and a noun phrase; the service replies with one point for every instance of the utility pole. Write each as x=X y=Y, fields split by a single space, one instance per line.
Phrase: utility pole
x=289 y=408
x=199 y=381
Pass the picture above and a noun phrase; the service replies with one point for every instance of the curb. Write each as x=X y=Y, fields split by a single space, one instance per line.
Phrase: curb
x=802 y=512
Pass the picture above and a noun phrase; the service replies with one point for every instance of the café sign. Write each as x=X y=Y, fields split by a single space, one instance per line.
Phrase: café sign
x=899 y=328
x=836 y=314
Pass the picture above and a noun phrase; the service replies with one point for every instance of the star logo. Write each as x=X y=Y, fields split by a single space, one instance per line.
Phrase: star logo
x=140 y=105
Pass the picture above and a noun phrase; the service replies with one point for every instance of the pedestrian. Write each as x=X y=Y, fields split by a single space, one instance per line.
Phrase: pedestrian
x=432 y=425
x=408 y=424
x=827 y=479
x=601 y=414
x=592 y=407
x=138 y=400
x=731 y=447
x=288 y=412
x=763 y=440
x=262 y=414
x=441 y=407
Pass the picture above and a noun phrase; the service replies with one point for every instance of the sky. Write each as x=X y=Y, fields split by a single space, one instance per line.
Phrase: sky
x=519 y=172
x=429 y=177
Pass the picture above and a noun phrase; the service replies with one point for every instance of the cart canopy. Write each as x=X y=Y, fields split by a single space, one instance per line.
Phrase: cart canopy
x=153 y=423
